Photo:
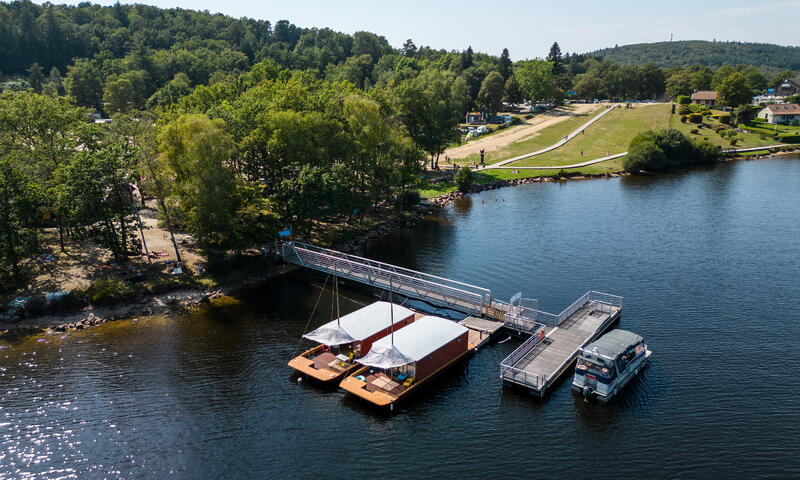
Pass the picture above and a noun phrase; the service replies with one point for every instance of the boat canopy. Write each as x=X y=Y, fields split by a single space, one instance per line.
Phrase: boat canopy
x=613 y=344
x=412 y=343
x=357 y=326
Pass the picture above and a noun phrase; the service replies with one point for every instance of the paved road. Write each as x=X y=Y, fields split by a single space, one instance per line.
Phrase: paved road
x=554 y=167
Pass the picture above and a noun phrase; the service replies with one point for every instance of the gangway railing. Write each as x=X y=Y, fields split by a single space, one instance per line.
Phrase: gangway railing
x=605 y=302
x=509 y=369
x=440 y=291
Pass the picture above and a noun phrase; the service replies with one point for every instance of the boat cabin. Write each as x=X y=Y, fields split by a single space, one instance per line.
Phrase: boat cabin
x=605 y=365
x=341 y=342
x=395 y=366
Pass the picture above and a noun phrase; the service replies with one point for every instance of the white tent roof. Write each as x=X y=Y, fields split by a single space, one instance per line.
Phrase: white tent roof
x=358 y=325
x=412 y=343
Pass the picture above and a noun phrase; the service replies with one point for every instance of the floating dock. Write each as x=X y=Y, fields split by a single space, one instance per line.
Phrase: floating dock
x=481 y=330
x=550 y=351
x=553 y=341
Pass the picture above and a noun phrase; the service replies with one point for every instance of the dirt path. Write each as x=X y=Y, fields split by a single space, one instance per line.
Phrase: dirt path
x=512 y=135
x=84 y=261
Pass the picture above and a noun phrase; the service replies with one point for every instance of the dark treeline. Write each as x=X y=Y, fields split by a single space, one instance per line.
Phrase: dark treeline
x=768 y=58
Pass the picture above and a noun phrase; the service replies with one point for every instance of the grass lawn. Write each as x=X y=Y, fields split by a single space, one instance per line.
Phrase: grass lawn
x=543 y=138
x=743 y=140
x=611 y=133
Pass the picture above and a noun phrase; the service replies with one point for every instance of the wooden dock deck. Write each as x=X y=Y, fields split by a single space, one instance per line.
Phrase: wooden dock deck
x=544 y=357
x=481 y=330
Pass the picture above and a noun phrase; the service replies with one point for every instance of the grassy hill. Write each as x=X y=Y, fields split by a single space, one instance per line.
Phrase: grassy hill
x=767 y=57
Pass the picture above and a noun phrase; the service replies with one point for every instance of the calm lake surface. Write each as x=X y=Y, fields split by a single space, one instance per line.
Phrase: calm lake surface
x=708 y=264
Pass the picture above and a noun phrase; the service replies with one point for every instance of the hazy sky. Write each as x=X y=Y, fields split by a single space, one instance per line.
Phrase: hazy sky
x=527 y=28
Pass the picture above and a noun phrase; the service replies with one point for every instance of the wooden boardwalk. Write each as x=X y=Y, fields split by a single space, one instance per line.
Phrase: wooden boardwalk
x=544 y=357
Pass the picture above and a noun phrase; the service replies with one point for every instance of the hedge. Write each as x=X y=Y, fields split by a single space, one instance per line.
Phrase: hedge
x=696 y=118
x=684 y=100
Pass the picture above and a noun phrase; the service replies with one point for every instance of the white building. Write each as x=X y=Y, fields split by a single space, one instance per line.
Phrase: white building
x=780 y=113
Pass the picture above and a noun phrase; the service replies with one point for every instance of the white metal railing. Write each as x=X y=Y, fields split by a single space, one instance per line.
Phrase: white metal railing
x=508 y=368
x=604 y=302
x=443 y=291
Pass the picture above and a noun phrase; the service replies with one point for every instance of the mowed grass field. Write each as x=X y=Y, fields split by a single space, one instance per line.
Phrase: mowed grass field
x=743 y=140
x=611 y=134
x=537 y=141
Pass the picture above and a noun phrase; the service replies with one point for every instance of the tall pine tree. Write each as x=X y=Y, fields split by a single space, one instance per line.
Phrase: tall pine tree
x=555 y=57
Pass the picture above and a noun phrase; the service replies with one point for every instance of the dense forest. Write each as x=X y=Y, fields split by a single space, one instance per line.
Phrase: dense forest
x=235 y=127
x=768 y=58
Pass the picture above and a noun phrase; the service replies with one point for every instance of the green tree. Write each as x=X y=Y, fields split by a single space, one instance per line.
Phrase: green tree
x=513 y=94
x=701 y=78
x=55 y=79
x=644 y=154
x=464 y=179
x=196 y=149
x=588 y=86
x=780 y=77
x=504 y=65
x=430 y=108
x=679 y=83
x=721 y=74
x=94 y=188
x=36 y=77
x=734 y=91
x=490 y=97
x=118 y=95
x=178 y=87
x=409 y=49
x=653 y=80
x=554 y=57
x=84 y=83
x=19 y=206
x=535 y=79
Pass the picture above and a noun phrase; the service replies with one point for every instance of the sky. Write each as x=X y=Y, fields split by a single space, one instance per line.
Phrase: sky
x=526 y=28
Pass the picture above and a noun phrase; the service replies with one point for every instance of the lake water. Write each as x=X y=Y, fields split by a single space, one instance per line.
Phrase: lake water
x=707 y=262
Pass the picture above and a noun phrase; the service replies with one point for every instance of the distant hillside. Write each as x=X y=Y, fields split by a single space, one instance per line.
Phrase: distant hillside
x=767 y=57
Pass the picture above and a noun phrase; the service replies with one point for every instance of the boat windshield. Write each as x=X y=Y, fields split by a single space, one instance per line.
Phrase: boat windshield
x=587 y=365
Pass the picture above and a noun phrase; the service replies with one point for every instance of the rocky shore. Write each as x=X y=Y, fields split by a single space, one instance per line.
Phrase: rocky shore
x=443 y=200
x=180 y=301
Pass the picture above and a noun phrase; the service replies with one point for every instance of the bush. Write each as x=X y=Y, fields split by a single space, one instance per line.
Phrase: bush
x=515 y=121
x=408 y=198
x=790 y=138
x=644 y=153
x=652 y=150
x=684 y=99
x=464 y=179
x=759 y=120
x=726 y=119
x=695 y=118
x=683 y=118
x=733 y=141
x=694 y=130
x=718 y=129
x=684 y=110
x=108 y=291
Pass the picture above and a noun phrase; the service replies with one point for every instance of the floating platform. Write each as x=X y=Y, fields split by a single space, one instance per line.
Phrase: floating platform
x=481 y=330
x=551 y=350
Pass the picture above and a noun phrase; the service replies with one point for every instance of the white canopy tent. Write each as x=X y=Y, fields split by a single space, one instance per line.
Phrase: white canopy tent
x=358 y=325
x=412 y=343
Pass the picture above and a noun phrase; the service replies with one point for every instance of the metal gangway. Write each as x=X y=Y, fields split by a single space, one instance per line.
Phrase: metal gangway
x=432 y=289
